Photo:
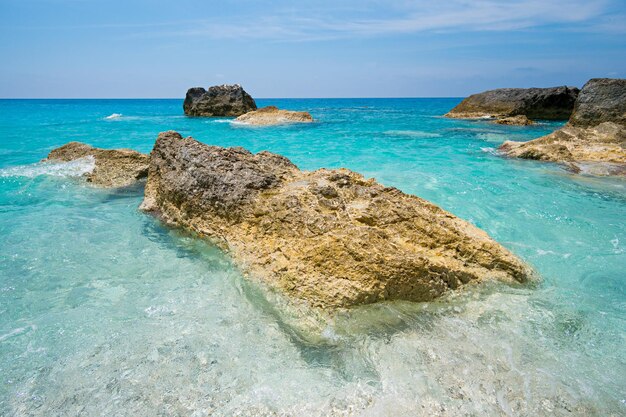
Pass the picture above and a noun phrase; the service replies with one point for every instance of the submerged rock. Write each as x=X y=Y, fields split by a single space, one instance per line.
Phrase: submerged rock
x=271 y=115
x=594 y=139
x=219 y=100
x=112 y=167
x=555 y=103
x=329 y=237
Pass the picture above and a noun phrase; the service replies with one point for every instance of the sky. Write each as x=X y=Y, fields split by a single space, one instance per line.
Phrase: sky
x=338 y=48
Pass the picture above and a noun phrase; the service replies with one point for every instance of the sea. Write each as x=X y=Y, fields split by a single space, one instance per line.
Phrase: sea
x=105 y=311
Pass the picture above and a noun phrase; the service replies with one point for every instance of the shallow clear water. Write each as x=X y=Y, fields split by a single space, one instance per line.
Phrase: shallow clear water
x=104 y=311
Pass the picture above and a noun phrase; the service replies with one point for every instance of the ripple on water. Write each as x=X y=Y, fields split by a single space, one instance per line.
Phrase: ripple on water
x=104 y=311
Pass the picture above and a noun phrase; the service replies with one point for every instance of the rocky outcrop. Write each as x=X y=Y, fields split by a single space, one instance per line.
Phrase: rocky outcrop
x=594 y=139
x=271 y=115
x=554 y=103
x=514 y=121
x=601 y=100
x=112 y=167
x=602 y=143
x=220 y=100
x=329 y=237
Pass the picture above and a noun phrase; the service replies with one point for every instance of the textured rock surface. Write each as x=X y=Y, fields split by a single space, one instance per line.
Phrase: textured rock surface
x=113 y=167
x=271 y=115
x=594 y=139
x=330 y=237
x=219 y=100
x=514 y=121
x=554 y=103
x=601 y=100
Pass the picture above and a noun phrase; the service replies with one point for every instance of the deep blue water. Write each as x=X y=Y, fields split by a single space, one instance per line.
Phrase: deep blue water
x=103 y=311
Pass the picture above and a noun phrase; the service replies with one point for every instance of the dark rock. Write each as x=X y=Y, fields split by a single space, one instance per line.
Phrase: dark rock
x=554 y=103
x=217 y=101
x=601 y=100
x=594 y=139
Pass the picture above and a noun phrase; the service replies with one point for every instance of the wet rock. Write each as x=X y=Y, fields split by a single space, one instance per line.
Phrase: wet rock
x=220 y=100
x=271 y=115
x=112 y=167
x=594 y=139
x=514 y=121
x=330 y=237
x=602 y=143
x=556 y=103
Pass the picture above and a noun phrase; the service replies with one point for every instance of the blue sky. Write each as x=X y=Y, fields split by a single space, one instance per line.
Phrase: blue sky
x=340 y=48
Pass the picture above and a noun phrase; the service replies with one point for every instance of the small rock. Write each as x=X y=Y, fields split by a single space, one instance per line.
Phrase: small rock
x=520 y=120
x=218 y=101
x=271 y=115
x=113 y=167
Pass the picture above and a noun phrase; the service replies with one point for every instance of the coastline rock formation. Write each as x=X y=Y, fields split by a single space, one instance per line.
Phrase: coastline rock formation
x=594 y=139
x=112 y=167
x=218 y=101
x=555 y=103
x=271 y=115
x=520 y=120
x=330 y=237
x=601 y=100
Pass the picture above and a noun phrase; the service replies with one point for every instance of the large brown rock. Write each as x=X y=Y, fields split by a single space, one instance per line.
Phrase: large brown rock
x=272 y=115
x=594 y=139
x=112 y=167
x=329 y=237
x=555 y=103
x=219 y=100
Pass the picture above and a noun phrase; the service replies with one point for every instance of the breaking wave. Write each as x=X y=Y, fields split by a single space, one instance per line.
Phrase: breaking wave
x=74 y=168
x=491 y=151
x=114 y=116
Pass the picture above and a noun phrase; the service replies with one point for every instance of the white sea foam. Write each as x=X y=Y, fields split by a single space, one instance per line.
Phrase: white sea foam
x=412 y=133
x=616 y=246
x=492 y=137
x=280 y=122
x=74 y=168
x=17 y=332
x=114 y=116
x=250 y=125
x=492 y=151
x=159 y=311
x=599 y=168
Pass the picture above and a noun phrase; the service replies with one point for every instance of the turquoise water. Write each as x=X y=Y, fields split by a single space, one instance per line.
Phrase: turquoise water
x=104 y=311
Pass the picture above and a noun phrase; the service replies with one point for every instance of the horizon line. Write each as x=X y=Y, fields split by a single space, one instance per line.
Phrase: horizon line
x=257 y=98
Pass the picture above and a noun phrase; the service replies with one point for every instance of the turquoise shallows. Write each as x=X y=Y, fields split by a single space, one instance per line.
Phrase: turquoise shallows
x=104 y=311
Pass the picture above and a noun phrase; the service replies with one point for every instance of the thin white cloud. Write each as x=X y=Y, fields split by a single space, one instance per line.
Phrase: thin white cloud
x=420 y=16
x=482 y=15
x=374 y=18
